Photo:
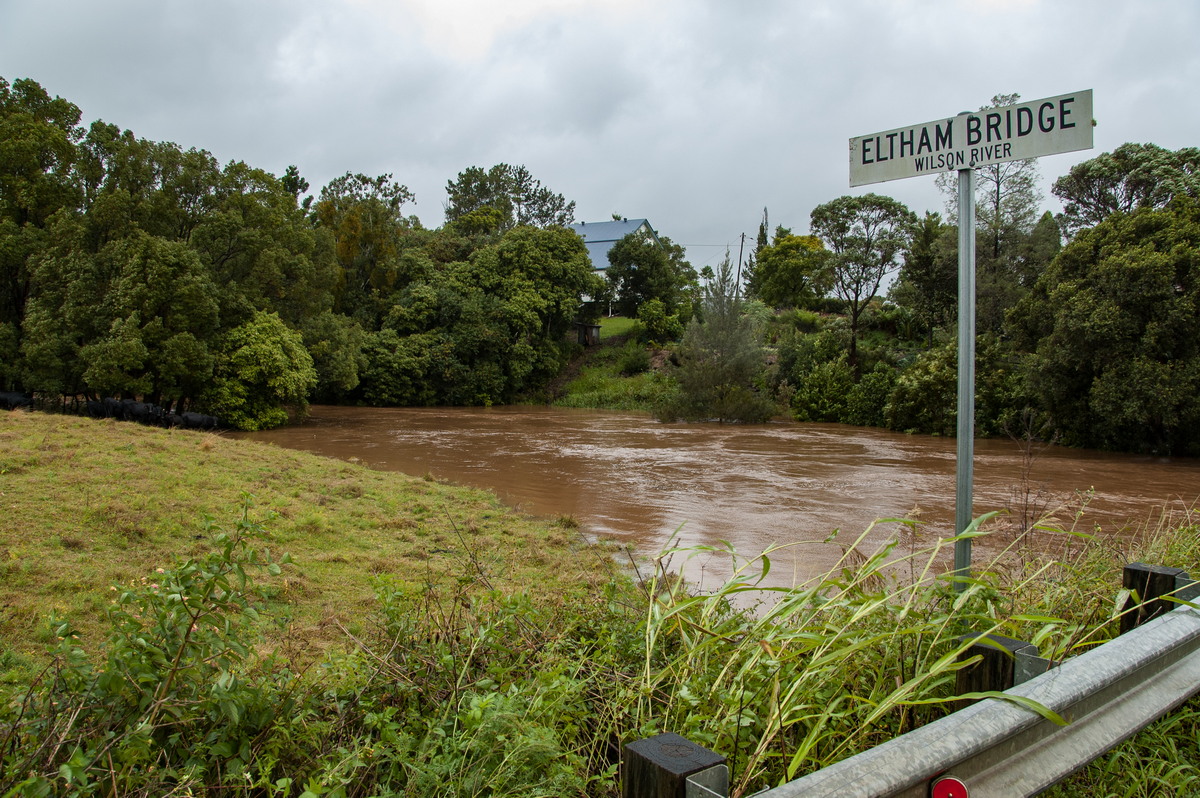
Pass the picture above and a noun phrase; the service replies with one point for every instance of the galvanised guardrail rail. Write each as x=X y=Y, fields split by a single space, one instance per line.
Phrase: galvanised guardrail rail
x=996 y=748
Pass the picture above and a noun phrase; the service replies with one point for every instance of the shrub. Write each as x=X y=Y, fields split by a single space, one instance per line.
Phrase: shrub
x=634 y=360
x=171 y=703
x=805 y=321
x=655 y=326
x=867 y=400
x=823 y=393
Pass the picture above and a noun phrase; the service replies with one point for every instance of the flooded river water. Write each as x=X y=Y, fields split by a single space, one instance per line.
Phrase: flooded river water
x=629 y=478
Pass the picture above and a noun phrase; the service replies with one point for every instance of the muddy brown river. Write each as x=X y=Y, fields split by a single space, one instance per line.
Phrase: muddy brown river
x=629 y=478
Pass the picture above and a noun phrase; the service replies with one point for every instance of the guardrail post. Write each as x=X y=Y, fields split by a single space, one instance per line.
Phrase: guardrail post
x=660 y=767
x=1148 y=583
x=997 y=670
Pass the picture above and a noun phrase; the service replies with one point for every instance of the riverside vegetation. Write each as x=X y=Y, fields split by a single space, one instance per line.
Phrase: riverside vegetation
x=140 y=270
x=347 y=632
x=422 y=639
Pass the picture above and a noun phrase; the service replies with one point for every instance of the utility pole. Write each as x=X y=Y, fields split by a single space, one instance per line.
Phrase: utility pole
x=737 y=287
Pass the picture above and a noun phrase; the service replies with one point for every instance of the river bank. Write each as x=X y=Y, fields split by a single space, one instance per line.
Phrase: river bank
x=627 y=478
x=418 y=624
x=81 y=496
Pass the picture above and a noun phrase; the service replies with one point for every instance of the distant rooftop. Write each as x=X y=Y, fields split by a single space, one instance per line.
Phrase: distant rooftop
x=599 y=237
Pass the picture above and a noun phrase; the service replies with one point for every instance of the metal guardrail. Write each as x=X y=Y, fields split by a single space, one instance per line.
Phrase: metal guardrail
x=994 y=747
x=997 y=748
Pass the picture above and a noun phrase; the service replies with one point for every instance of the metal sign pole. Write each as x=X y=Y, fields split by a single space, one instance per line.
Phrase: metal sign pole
x=972 y=139
x=966 y=372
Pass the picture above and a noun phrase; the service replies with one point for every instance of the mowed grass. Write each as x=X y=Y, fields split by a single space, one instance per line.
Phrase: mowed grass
x=92 y=504
x=612 y=326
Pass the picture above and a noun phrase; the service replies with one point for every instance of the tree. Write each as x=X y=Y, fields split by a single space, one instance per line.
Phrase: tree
x=38 y=135
x=155 y=186
x=335 y=343
x=1006 y=198
x=136 y=318
x=793 y=271
x=365 y=217
x=510 y=190
x=866 y=235
x=1112 y=328
x=923 y=398
x=262 y=250
x=1039 y=248
x=642 y=268
x=928 y=281
x=295 y=185
x=262 y=368
x=1131 y=176
x=38 y=152
x=719 y=359
x=482 y=330
x=164 y=300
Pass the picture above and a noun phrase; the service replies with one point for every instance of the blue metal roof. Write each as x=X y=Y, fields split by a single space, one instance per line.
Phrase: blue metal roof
x=599 y=237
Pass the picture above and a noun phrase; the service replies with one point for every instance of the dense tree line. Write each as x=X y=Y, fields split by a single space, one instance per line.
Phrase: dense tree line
x=1087 y=322
x=135 y=268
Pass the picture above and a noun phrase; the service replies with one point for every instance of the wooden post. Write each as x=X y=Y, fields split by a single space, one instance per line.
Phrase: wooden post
x=1148 y=584
x=997 y=668
x=658 y=767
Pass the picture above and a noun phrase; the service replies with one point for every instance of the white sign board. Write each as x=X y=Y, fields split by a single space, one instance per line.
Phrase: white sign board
x=994 y=135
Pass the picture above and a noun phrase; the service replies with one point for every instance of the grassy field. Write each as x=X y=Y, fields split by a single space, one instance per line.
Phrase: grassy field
x=92 y=504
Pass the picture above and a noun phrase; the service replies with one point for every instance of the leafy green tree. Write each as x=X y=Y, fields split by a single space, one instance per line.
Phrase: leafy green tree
x=866 y=402
x=135 y=318
x=261 y=369
x=866 y=235
x=1040 y=248
x=38 y=135
x=512 y=193
x=822 y=393
x=925 y=395
x=655 y=325
x=335 y=343
x=490 y=327
x=793 y=271
x=547 y=272
x=396 y=369
x=928 y=281
x=163 y=298
x=1131 y=176
x=296 y=185
x=156 y=187
x=641 y=269
x=1113 y=326
x=365 y=217
x=38 y=138
x=262 y=251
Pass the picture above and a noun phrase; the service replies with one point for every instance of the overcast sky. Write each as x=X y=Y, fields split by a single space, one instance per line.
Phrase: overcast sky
x=693 y=113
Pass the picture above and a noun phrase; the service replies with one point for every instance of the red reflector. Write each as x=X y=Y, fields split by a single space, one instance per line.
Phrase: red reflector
x=949 y=787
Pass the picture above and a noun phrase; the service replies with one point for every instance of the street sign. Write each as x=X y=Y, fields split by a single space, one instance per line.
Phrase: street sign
x=962 y=144
x=993 y=135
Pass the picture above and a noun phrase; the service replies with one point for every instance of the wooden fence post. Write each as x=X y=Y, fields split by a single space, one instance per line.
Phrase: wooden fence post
x=997 y=668
x=1148 y=584
x=658 y=767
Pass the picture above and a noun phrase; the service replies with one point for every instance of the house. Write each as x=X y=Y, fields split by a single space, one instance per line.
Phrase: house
x=599 y=237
